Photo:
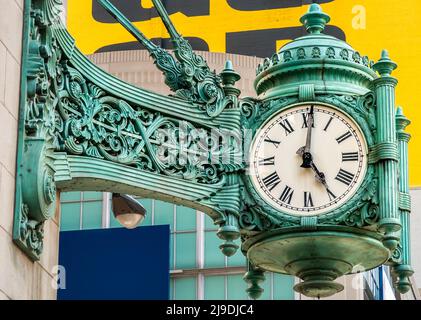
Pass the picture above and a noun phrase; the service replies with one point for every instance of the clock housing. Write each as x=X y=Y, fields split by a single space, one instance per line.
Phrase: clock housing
x=339 y=154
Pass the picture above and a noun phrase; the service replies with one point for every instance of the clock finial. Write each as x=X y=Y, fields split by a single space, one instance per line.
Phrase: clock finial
x=315 y=19
x=385 y=65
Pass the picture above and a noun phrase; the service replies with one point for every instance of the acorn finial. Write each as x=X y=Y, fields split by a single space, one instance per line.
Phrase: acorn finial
x=315 y=19
x=385 y=65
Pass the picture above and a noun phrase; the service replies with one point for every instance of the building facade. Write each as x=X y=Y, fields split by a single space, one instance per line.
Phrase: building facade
x=20 y=278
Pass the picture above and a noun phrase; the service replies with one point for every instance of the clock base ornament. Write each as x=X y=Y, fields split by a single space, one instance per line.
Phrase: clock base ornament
x=317 y=257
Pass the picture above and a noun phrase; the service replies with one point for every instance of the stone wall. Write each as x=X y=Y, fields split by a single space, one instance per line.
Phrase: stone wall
x=137 y=68
x=20 y=278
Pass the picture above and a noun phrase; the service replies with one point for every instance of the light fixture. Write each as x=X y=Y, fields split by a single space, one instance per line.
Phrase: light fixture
x=129 y=212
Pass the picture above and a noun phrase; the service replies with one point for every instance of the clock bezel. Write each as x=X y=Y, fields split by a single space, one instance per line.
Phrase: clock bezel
x=364 y=192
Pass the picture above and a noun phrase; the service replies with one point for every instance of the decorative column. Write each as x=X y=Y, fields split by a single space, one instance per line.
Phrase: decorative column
x=388 y=191
x=403 y=269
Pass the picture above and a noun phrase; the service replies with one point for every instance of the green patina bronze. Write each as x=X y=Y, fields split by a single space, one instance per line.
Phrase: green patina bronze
x=83 y=129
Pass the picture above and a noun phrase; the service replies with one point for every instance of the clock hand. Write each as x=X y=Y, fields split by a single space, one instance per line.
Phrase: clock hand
x=305 y=151
x=320 y=176
x=310 y=123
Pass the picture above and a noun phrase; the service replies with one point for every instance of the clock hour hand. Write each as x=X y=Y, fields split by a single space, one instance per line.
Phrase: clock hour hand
x=320 y=176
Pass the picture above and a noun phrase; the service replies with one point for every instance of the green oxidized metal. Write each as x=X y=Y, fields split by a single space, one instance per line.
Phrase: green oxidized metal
x=87 y=130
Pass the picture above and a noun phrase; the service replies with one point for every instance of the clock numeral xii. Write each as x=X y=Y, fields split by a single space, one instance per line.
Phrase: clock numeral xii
x=305 y=120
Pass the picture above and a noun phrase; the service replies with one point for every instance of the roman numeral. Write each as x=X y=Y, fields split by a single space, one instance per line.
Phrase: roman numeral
x=345 y=177
x=328 y=124
x=274 y=142
x=331 y=195
x=305 y=120
x=308 y=201
x=343 y=137
x=267 y=162
x=286 y=195
x=349 y=156
x=287 y=126
x=271 y=181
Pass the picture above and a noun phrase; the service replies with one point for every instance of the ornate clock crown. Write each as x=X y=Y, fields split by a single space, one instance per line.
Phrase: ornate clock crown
x=314 y=52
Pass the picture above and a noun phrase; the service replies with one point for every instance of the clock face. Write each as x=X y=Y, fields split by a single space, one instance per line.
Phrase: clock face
x=308 y=159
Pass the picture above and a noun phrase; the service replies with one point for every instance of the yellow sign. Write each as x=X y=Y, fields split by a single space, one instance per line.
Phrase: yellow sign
x=369 y=26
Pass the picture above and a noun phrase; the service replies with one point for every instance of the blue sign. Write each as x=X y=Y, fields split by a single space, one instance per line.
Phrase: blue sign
x=115 y=264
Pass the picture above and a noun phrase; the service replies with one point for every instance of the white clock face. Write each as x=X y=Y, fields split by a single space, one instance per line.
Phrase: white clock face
x=303 y=169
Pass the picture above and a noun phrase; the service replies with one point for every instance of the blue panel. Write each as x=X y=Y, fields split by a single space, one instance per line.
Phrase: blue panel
x=116 y=263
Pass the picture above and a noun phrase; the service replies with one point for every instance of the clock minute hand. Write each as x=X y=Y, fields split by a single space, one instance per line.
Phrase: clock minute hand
x=310 y=122
x=305 y=151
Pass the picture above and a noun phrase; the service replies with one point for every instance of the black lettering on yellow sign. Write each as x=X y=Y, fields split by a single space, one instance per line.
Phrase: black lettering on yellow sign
x=196 y=43
x=135 y=12
x=262 y=43
x=259 y=43
x=254 y=5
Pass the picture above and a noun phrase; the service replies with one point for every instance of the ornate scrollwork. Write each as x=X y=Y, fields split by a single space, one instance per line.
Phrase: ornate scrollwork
x=397 y=255
x=254 y=221
x=316 y=52
x=67 y=112
x=31 y=231
x=361 y=108
x=98 y=125
x=255 y=111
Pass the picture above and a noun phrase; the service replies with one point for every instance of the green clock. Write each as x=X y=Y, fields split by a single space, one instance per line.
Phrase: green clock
x=308 y=159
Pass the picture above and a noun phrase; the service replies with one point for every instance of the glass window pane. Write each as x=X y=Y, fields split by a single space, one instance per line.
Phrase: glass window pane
x=236 y=287
x=113 y=221
x=185 y=289
x=70 y=216
x=209 y=225
x=147 y=204
x=92 y=195
x=213 y=255
x=186 y=218
x=70 y=196
x=215 y=288
x=282 y=287
x=92 y=215
x=172 y=251
x=265 y=285
x=164 y=213
x=238 y=259
x=185 y=250
x=172 y=289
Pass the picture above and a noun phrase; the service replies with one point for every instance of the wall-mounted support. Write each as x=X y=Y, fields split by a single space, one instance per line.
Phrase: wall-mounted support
x=82 y=129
